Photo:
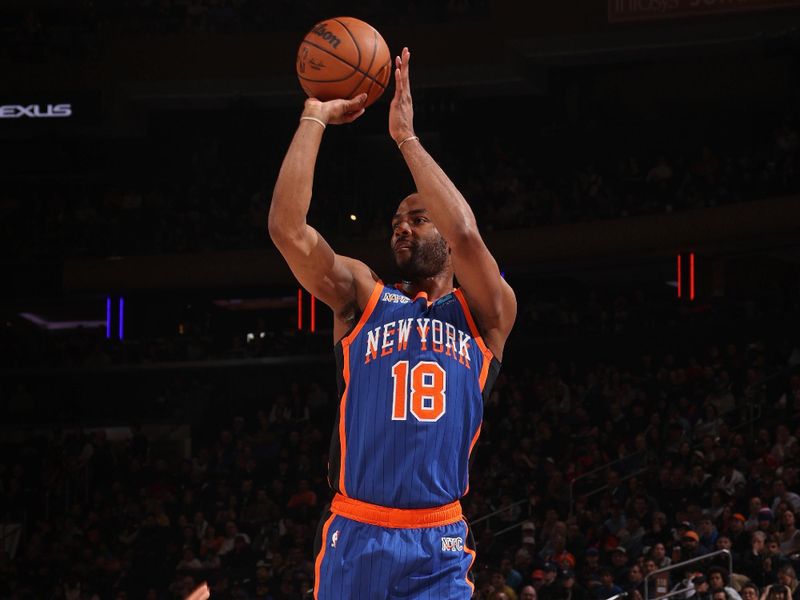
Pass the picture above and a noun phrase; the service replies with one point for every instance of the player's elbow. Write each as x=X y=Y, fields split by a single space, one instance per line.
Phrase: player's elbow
x=281 y=231
x=274 y=227
x=289 y=238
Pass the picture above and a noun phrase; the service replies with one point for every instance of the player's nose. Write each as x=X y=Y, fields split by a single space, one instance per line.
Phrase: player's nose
x=402 y=229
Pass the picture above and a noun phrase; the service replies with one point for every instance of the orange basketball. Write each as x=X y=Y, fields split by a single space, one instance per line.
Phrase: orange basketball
x=343 y=57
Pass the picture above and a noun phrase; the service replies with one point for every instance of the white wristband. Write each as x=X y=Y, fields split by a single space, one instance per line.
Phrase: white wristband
x=315 y=119
x=408 y=139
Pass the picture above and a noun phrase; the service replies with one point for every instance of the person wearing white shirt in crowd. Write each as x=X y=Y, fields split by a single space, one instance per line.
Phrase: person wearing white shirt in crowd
x=782 y=494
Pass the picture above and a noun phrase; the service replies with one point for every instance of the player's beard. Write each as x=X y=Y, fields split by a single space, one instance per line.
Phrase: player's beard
x=427 y=259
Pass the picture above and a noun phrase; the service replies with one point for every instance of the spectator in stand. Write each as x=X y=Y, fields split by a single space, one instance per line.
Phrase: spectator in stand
x=189 y=562
x=788 y=534
x=749 y=591
x=719 y=595
x=229 y=542
x=771 y=561
x=765 y=520
x=513 y=577
x=702 y=589
x=788 y=577
x=776 y=592
x=635 y=582
x=782 y=448
x=782 y=494
x=740 y=540
x=571 y=589
x=528 y=592
x=589 y=576
x=730 y=478
x=754 y=506
x=718 y=580
x=619 y=564
x=690 y=546
x=499 y=585
x=549 y=590
x=607 y=587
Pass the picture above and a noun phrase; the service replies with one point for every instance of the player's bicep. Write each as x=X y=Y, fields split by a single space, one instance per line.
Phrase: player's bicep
x=490 y=298
x=330 y=277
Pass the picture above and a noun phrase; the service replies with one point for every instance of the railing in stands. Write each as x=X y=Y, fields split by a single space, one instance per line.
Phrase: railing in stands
x=593 y=472
x=683 y=565
x=500 y=511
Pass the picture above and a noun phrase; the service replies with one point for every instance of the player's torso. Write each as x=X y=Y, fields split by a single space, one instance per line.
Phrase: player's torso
x=412 y=381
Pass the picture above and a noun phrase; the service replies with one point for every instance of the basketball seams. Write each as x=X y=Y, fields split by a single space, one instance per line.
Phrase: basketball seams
x=355 y=69
x=371 y=61
x=355 y=42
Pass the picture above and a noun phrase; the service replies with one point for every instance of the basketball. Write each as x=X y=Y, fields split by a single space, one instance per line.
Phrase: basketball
x=342 y=58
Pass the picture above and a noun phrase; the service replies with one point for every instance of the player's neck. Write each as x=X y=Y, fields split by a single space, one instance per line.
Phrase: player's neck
x=434 y=287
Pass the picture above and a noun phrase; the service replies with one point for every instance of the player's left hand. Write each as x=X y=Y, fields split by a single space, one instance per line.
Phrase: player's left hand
x=401 y=110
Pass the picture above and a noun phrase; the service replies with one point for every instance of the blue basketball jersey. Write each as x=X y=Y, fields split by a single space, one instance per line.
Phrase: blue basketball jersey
x=412 y=379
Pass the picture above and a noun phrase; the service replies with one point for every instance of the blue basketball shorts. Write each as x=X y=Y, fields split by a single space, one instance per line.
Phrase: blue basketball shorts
x=367 y=552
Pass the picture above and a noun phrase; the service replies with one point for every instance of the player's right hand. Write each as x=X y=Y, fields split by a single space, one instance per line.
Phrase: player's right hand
x=335 y=112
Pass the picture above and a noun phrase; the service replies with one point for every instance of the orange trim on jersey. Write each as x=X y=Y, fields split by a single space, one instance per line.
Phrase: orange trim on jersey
x=342 y=412
x=397 y=518
x=487 y=354
x=476 y=334
x=321 y=555
x=471 y=446
x=472 y=553
x=374 y=296
x=346 y=341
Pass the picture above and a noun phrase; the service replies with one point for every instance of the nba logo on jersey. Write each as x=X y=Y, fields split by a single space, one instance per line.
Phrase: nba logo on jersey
x=452 y=544
x=396 y=298
x=334 y=538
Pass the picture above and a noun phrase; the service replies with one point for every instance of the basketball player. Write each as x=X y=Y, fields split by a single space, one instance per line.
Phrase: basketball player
x=415 y=361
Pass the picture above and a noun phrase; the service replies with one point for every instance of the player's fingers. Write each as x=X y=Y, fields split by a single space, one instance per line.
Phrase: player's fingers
x=404 y=68
x=350 y=117
x=356 y=103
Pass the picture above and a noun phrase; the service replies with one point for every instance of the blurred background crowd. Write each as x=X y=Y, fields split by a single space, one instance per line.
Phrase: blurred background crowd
x=167 y=393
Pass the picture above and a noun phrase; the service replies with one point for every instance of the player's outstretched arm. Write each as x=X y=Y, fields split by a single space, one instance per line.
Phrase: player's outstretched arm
x=490 y=298
x=336 y=280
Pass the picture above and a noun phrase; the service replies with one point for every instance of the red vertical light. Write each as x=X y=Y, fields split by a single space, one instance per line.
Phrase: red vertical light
x=299 y=309
x=313 y=314
x=679 y=275
x=691 y=276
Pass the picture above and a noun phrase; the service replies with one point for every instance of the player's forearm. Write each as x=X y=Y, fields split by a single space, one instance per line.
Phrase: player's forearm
x=291 y=197
x=447 y=208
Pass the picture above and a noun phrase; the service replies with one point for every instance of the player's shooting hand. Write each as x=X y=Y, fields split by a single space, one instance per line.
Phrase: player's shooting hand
x=335 y=112
x=401 y=110
x=201 y=592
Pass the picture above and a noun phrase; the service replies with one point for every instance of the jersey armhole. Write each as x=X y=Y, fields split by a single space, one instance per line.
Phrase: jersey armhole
x=366 y=313
x=476 y=334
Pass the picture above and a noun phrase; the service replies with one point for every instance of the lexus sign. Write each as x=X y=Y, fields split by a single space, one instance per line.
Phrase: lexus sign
x=36 y=111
